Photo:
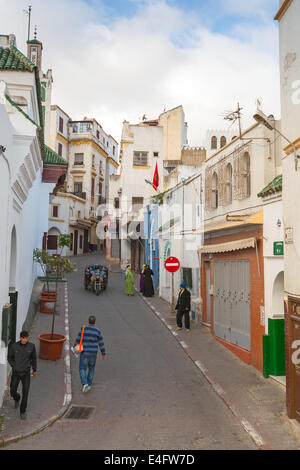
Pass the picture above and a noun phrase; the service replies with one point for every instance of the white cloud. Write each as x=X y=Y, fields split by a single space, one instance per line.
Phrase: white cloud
x=136 y=66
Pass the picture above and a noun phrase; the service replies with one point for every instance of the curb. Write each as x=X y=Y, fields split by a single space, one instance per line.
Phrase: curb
x=255 y=436
x=68 y=390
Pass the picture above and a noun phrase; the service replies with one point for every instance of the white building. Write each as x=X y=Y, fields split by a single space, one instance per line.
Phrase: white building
x=289 y=47
x=24 y=195
x=218 y=138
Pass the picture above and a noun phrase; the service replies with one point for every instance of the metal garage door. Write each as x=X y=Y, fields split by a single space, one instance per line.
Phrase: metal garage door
x=232 y=302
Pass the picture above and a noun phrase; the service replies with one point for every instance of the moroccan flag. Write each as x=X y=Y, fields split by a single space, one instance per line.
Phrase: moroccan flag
x=156 y=179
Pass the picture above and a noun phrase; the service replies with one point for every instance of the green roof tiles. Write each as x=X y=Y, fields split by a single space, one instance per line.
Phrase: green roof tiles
x=274 y=187
x=52 y=157
x=12 y=59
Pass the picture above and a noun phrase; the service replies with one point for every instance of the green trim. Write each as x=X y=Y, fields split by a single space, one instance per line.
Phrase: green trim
x=273 y=187
x=52 y=157
x=21 y=111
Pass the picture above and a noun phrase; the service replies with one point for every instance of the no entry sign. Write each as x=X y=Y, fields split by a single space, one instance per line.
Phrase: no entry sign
x=172 y=265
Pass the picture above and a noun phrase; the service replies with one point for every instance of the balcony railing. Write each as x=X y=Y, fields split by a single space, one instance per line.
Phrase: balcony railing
x=101 y=200
x=79 y=194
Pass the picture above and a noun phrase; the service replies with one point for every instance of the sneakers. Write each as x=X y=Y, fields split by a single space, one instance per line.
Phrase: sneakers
x=89 y=387
x=17 y=402
x=23 y=416
x=178 y=329
x=188 y=330
x=85 y=388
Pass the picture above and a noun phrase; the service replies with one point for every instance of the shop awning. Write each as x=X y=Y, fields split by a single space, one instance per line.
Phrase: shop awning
x=230 y=246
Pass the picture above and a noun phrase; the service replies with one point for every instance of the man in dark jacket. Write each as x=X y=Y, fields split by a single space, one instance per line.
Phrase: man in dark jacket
x=21 y=357
x=183 y=307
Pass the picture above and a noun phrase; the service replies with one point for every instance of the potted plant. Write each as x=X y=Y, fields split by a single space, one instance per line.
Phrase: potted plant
x=47 y=298
x=51 y=344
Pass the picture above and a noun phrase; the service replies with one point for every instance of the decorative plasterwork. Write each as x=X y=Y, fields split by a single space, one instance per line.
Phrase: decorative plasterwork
x=24 y=175
x=19 y=191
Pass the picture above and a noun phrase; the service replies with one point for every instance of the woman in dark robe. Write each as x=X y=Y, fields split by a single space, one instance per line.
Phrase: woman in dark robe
x=148 y=283
x=142 y=278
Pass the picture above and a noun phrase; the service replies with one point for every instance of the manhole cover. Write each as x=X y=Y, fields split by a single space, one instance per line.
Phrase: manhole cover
x=79 y=412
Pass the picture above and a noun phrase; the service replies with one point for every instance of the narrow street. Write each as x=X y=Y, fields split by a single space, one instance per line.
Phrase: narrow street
x=147 y=394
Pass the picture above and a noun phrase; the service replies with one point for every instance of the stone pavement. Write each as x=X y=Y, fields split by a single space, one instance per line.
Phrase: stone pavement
x=47 y=396
x=258 y=403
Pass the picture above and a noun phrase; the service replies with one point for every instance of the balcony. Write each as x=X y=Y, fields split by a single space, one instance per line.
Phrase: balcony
x=101 y=200
x=79 y=194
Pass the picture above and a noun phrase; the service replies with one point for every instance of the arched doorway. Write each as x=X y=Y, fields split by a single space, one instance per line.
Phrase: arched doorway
x=278 y=295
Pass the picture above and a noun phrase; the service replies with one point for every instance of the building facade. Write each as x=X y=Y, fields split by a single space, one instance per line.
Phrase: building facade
x=288 y=19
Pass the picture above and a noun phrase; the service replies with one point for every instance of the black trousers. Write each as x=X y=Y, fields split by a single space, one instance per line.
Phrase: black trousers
x=179 y=316
x=15 y=380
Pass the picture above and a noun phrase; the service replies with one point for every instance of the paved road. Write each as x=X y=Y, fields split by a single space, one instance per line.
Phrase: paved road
x=147 y=394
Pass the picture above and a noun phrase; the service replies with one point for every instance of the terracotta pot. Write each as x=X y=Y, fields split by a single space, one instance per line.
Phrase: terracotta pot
x=47 y=304
x=52 y=293
x=51 y=349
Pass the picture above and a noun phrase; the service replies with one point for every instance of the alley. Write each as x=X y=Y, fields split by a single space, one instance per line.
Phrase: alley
x=147 y=394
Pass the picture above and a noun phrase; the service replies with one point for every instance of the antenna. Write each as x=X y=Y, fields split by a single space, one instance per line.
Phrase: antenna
x=235 y=116
x=28 y=13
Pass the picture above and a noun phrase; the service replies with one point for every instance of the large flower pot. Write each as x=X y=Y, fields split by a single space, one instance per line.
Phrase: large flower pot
x=50 y=293
x=47 y=304
x=51 y=349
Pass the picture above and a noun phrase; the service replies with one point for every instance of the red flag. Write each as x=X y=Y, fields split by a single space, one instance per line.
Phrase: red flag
x=156 y=179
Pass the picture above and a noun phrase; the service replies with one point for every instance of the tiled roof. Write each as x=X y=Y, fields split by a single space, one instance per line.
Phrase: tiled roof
x=12 y=59
x=274 y=187
x=52 y=157
x=21 y=111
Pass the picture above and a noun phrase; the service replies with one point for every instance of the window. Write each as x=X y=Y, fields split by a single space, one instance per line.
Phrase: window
x=74 y=128
x=61 y=125
x=71 y=245
x=114 y=150
x=140 y=158
x=187 y=275
x=60 y=148
x=80 y=242
x=214 y=143
x=85 y=127
x=98 y=134
x=78 y=187
x=54 y=211
x=93 y=161
x=117 y=203
x=100 y=167
x=137 y=203
x=78 y=214
x=223 y=141
x=107 y=143
x=215 y=191
x=93 y=187
x=155 y=154
x=247 y=174
x=78 y=159
x=229 y=183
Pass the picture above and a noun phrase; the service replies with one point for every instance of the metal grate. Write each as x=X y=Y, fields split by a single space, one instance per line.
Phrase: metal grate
x=79 y=412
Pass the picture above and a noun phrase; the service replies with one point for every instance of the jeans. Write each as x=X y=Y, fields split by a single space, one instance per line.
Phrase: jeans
x=15 y=380
x=87 y=361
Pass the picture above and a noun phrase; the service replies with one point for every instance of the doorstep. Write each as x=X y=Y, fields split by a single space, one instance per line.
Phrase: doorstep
x=280 y=379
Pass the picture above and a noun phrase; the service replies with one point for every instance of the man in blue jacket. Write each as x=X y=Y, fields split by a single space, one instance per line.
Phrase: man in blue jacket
x=92 y=340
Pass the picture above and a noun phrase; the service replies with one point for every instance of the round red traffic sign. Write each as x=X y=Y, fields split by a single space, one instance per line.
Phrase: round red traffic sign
x=172 y=264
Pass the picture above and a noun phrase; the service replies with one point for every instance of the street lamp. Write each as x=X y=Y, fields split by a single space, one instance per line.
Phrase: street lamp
x=261 y=118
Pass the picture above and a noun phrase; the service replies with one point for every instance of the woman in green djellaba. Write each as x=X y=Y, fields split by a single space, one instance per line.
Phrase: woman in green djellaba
x=129 y=282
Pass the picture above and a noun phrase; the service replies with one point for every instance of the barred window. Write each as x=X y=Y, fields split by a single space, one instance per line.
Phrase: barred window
x=140 y=158
x=78 y=160
x=214 y=143
x=137 y=203
x=223 y=141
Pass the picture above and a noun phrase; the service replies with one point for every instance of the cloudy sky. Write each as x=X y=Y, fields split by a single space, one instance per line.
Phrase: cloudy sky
x=121 y=59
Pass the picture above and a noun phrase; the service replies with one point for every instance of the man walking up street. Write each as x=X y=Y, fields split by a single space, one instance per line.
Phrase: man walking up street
x=183 y=308
x=21 y=357
x=92 y=340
